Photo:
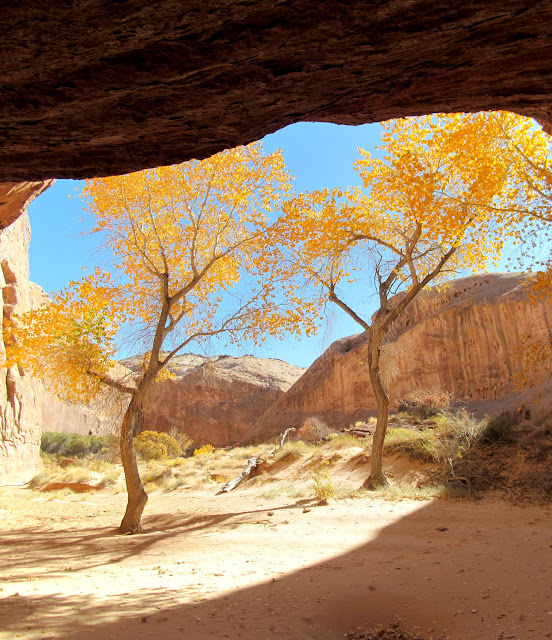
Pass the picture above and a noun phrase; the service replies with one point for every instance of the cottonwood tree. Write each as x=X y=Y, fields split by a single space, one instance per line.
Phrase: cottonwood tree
x=418 y=220
x=189 y=250
x=518 y=154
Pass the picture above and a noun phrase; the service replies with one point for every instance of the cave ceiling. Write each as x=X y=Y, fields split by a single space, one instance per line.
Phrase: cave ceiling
x=92 y=87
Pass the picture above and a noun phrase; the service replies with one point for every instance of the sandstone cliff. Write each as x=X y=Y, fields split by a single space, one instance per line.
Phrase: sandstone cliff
x=216 y=400
x=26 y=408
x=19 y=411
x=465 y=338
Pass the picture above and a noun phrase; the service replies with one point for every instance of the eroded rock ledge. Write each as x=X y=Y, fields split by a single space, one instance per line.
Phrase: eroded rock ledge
x=106 y=87
x=467 y=338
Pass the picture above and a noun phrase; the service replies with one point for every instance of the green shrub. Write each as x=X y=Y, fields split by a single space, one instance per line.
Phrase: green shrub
x=421 y=445
x=155 y=445
x=72 y=444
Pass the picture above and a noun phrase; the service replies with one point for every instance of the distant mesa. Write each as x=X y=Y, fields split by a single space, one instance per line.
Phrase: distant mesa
x=216 y=400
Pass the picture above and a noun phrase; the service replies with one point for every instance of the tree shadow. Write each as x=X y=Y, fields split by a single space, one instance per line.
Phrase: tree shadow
x=476 y=570
x=53 y=551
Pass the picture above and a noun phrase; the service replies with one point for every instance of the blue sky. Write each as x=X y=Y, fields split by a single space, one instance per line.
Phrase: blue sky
x=318 y=155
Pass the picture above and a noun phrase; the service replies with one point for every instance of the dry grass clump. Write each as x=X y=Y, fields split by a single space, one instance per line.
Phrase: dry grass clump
x=423 y=403
x=420 y=445
x=343 y=441
x=322 y=485
x=295 y=449
x=182 y=438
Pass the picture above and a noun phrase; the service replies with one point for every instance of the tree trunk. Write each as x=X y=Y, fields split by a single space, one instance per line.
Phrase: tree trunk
x=137 y=497
x=377 y=477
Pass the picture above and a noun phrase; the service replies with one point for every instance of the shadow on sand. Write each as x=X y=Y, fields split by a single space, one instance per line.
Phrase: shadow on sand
x=466 y=568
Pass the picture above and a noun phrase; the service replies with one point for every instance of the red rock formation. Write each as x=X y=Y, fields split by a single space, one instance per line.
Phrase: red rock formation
x=216 y=400
x=466 y=339
x=15 y=197
x=105 y=87
x=26 y=408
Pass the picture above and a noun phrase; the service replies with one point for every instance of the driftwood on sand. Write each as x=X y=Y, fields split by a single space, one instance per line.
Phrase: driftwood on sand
x=250 y=468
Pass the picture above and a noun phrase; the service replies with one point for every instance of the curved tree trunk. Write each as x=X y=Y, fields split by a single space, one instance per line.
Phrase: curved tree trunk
x=377 y=477
x=137 y=497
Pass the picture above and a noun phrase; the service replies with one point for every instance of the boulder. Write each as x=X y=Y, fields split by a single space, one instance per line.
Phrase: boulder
x=466 y=337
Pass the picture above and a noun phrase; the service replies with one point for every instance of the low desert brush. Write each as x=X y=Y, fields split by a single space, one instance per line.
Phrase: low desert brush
x=423 y=403
x=313 y=430
x=322 y=485
x=155 y=445
x=182 y=438
x=72 y=444
x=421 y=445
x=499 y=428
x=205 y=450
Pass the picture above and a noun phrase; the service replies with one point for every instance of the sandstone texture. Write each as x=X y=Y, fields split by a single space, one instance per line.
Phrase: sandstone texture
x=466 y=338
x=15 y=197
x=216 y=400
x=19 y=407
x=26 y=407
x=98 y=88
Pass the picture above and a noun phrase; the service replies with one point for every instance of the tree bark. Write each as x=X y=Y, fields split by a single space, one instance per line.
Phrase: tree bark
x=377 y=477
x=137 y=497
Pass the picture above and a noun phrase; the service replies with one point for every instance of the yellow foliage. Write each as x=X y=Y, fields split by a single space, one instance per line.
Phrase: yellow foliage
x=155 y=445
x=206 y=449
x=191 y=249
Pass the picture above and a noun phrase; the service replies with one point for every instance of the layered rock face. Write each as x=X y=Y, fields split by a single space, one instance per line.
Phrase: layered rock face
x=105 y=87
x=466 y=338
x=216 y=400
x=19 y=409
x=26 y=408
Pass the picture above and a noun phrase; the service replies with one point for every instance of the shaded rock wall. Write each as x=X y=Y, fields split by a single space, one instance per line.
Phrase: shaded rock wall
x=465 y=339
x=107 y=87
x=216 y=400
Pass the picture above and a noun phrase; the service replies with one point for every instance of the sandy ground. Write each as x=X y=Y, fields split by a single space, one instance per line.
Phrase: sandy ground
x=240 y=566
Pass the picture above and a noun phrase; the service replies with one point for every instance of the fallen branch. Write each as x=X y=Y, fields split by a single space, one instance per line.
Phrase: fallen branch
x=251 y=466
x=279 y=445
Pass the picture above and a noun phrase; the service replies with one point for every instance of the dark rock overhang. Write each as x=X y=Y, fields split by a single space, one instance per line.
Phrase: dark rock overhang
x=107 y=87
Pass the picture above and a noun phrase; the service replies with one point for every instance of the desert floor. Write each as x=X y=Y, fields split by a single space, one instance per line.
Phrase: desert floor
x=243 y=566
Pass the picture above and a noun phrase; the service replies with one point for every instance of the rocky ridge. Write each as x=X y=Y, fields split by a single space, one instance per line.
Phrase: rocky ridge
x=466 y=338
x=216 y=400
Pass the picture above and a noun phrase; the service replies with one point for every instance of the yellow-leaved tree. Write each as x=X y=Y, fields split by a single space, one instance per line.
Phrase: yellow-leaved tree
x=519 y=156
x=420 y=218
x=190 y=252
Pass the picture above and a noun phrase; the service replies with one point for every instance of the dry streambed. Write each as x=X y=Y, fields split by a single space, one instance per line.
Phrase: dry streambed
x=265 y=562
